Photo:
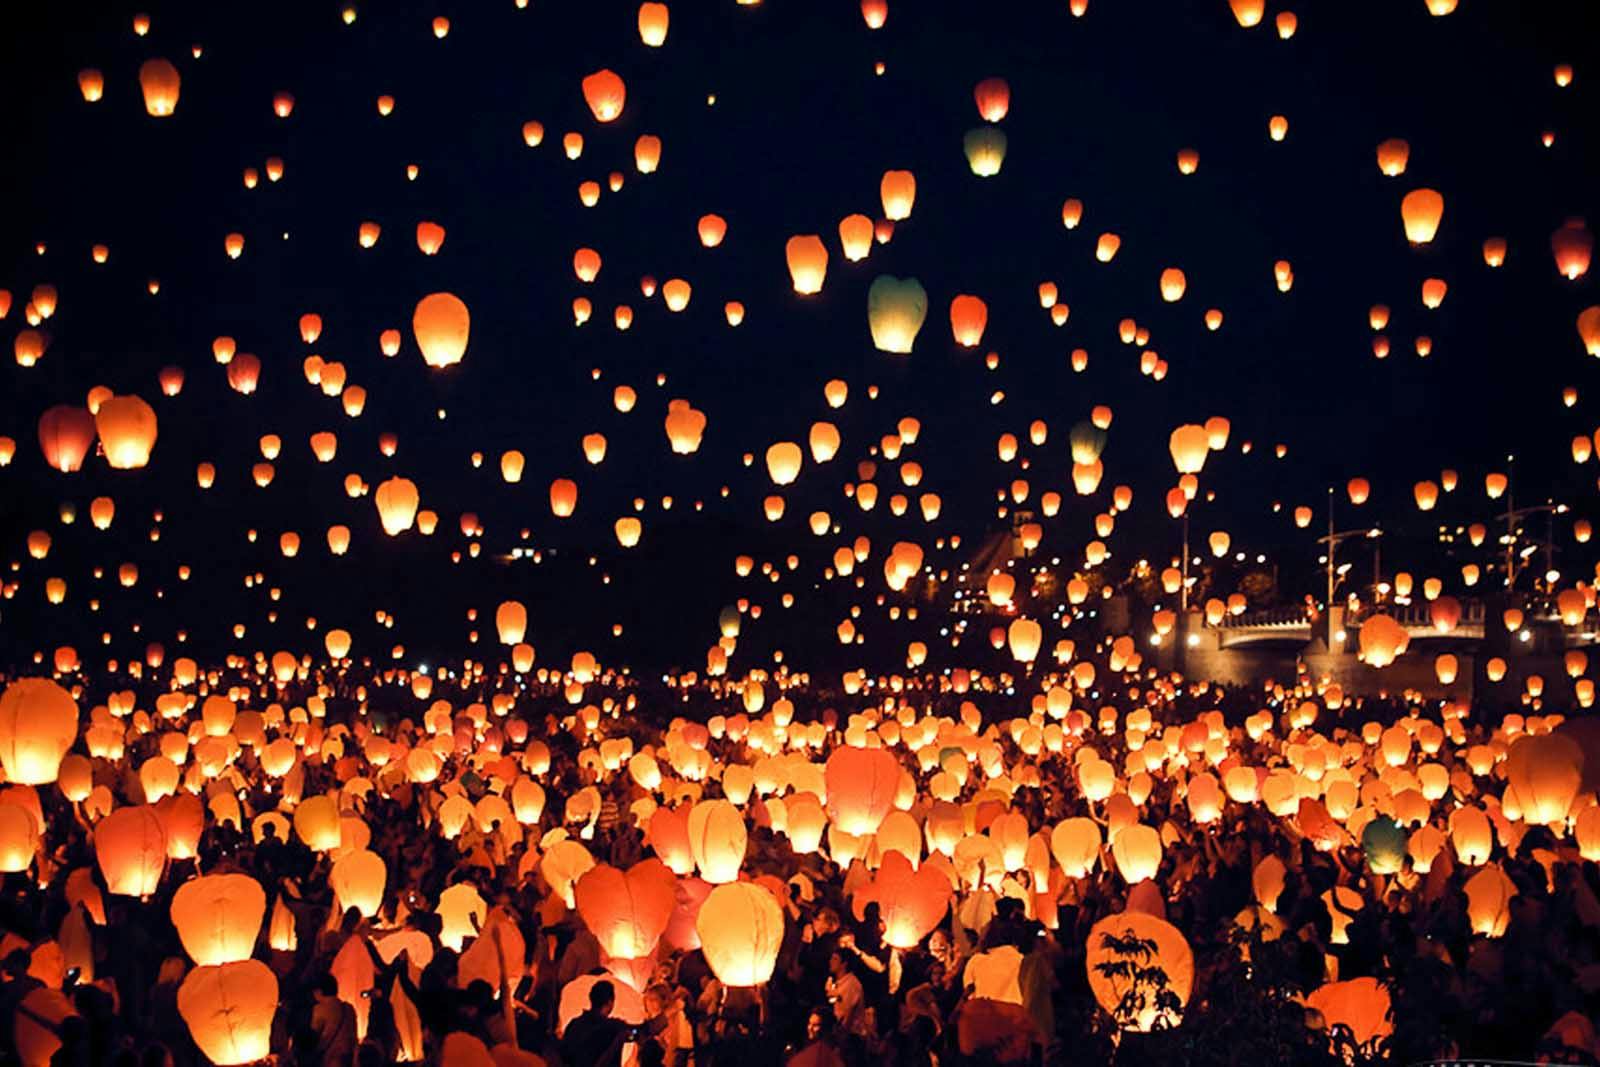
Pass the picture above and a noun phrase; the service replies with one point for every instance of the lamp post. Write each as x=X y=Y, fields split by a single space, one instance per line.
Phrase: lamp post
x=1332 y=540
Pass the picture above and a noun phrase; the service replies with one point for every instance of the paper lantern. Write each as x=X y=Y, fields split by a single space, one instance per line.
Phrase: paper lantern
x=229 y=1010
x=160 y=82
x=1137 y=850
x=717 y=839
x=741 y=929
x=218 y=917
x=861 y=787
x=1421 y=211
x=441 y=324
x=397 y=501
x=627 y=911
x=1120 y=990
x=127 y=427
x=38 y=724
x=605 y=93
x=358 y=879
x=808 y=262
x=65 y=436
x=1360 y=1006
x=130 y=846
x=896 y=309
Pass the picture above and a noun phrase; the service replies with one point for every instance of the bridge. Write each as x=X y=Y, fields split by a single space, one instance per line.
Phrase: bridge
x=1291 y=626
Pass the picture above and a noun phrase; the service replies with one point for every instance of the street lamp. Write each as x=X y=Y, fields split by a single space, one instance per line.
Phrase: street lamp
x=1332 y=540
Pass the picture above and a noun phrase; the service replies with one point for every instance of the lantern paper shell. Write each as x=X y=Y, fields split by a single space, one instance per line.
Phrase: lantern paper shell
x=1172 y=954
x=741 y=929
x=38 y=723
x=861 y=786
x=229 y=1010
x=130 y=845
x=218 y=917
x=627 y=911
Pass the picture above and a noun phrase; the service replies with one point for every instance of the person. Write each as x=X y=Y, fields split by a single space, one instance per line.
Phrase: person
x=595 y=1038
x=334 y=1024
x=676 y=1038
x=820 y=1049
x=845 y=994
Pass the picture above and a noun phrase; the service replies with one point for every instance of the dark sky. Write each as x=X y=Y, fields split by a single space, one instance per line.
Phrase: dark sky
x=799 y=136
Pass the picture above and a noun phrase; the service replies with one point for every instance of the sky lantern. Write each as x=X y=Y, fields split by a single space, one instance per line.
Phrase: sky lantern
x=1426 y=494
x=741 y=929
x=1188 y=161
x=1173 y=283
x=1489 y=894
x=159 y=80
x=563 y=497
x=397 y=501
x=808 y=262
x=912 y=901
x=896 y=309
x=1543 y=774
x=1392 y=156
x=1189 y=445
x=1572 y=245
x=66 y=434
x=1248 y=12
x=130 y=846
x=92 y=84
x=441 y=324
x=19 y=838
x=38 y=724
x=1133 y=1004
x=1137 y=850
x=646 y=157
x=968 y=316
x=628 y=529
x=511 y=622
x=824 y=441
x=1421 y=211
x=653 y=19
x=218 y=917
x=605 y=94
x=1382 y=640
x=627 y=911
x=717 y=840
x=1361 y=1005
x=127 y=427
x=358 y=879
x=985 y=148
x=1588 y=330
x=855 y=237
x=244 y=373
x=685 y=427
x=712 y=229
x=229 y=1010
x=1024 y=636
x=993 y=97
x=430 y=238
x=783 y=462
x=898 y=191
x=875 y=13
x=861 y=786
x=1106 y=247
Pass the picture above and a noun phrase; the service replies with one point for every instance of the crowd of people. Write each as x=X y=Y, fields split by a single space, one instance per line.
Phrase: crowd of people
x=838 y=994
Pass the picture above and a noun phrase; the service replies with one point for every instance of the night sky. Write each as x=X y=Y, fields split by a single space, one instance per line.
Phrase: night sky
x=800 y=133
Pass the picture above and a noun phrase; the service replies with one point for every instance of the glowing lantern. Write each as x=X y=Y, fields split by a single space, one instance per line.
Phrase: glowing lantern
x=808 y=262
x=159 y=81
x=985 y=149
x=898 y=191
x=441 y=324
x=130 y=846
x=1132 y=1003
x=627 y=911
x=218 y=917
x=993 y=97
x=38 y=724
x=397 y=501
x=653 y=20
x=229 y=1010
x=895 y=311
x=605 y=94
x=861 y=786
x=1421 y=211
x=65 y=436
x=717 y=840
